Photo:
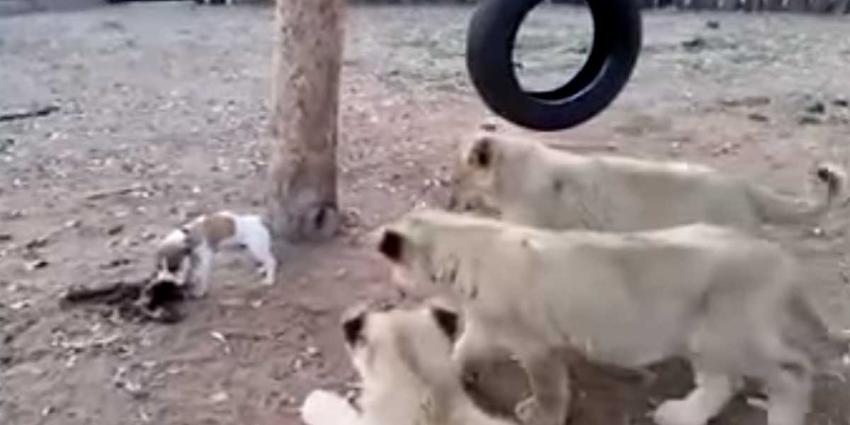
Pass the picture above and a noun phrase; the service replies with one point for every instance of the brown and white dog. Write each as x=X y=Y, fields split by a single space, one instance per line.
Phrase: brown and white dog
x=186 y=254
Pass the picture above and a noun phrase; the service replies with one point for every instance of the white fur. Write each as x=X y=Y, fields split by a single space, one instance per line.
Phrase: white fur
x=326 y=408
x=250 y=232
x=713 y=295
x=407 y=378
x=529 y=183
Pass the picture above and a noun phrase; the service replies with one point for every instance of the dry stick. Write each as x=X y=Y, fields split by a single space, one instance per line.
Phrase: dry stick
x=112 y=192
x=38 y=112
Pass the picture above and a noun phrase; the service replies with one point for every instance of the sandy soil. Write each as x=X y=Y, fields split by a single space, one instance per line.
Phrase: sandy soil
x=163 y=114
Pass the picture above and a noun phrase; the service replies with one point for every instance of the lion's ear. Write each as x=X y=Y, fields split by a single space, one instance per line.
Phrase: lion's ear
x=392 y=245
x=447 y=320
x=352 y=328
x=482 y=153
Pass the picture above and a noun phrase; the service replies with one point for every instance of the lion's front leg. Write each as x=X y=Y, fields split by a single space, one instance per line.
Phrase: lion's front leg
x=550 y=388
x=472 y=352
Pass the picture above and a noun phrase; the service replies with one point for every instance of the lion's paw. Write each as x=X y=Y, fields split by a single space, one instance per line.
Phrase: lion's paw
x=676 y=412
x=529 y=412
x=326 y=408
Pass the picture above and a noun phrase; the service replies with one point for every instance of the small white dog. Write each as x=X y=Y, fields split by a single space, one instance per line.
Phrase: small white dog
x=186 y=254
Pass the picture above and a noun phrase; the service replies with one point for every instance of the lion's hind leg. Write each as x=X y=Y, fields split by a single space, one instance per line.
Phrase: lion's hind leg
x=789 y=388
x=712 y=392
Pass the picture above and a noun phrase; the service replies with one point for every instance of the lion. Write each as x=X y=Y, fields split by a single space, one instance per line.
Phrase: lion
x=526 y=182
x=403 y=357
x=724 y=300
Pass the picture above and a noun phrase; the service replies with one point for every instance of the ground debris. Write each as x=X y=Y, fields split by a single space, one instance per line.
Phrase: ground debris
x=29 y=113
x=142 y=300
x=113 y=192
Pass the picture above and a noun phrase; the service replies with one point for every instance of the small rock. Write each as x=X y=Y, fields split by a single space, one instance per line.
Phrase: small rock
x=757 y=403
x=841 y=103
x=6 y=145
x=312 y=351
x=36 y=243
x=816 y=108
x=219 y=397
x=13 y=215
x=757 y=117
x=695 y=43
x=748 y=101
x=114 y=230
x=20 y=305
x=808 y=120
x=725 y=148
x=5 y=237
x=488 y=125
x=37 y=264
x=712 y=24
x=118 y=262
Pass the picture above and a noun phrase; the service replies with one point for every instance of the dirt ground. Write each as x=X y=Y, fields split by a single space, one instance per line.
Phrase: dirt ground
x=163 y=113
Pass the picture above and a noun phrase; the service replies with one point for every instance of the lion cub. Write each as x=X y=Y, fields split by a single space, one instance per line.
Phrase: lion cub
x=529 y=183
x=726 y=301
x=408 y=378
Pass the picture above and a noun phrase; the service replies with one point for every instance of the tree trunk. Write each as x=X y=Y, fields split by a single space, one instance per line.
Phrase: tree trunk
x=773 y=5
x=820 y=6
x=797 y=5
x=302 y=198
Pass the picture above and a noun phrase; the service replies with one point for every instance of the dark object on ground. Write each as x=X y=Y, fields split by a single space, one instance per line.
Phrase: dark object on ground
x=489 y=51
x=29 y=113
x=695 y=44
x=143 y=300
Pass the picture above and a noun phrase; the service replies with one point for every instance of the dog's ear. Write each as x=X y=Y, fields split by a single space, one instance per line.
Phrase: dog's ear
x=482 y=153
x=192 y=236
x=447 y=320
x=352 y=327
x=392 y=245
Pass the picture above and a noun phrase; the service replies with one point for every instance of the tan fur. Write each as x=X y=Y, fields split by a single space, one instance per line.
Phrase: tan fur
x=403 y=359
x=215 y=227
x=723 y=300
x=186 y=255
x=528 y=183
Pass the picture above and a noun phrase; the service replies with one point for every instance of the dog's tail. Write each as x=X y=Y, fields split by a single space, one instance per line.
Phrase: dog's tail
x=326 y=408
x=775 y=208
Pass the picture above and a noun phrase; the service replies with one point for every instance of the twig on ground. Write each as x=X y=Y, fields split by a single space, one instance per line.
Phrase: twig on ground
x=145 y=299
x=29 y=113
x=112 y=192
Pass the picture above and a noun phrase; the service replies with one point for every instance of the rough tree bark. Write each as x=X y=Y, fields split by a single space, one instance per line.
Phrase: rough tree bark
x=302 y=201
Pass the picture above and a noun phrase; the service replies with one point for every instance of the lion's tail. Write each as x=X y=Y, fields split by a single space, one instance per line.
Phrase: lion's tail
x=829 y=350
x=775 y=208
x=326 y=408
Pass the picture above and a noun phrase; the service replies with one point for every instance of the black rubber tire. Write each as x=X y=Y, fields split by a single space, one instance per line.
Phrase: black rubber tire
x=489 y=61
